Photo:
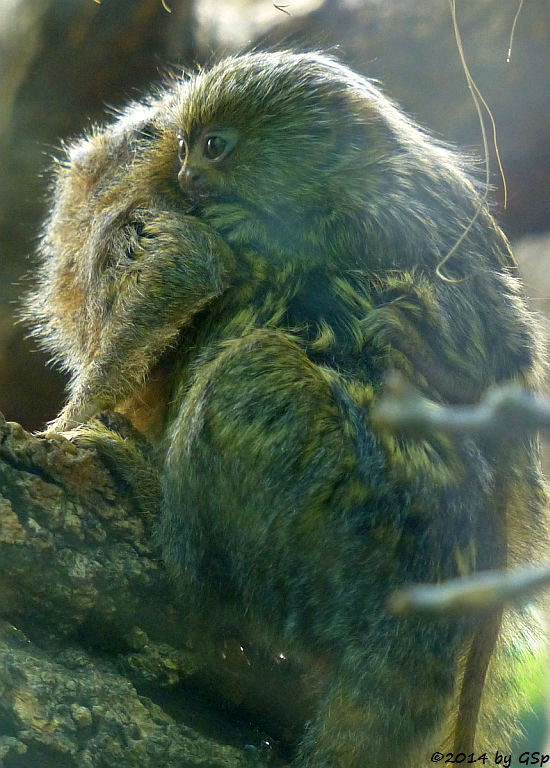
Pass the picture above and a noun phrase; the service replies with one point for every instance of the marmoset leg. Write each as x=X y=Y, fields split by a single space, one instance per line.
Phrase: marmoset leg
x=282 y=502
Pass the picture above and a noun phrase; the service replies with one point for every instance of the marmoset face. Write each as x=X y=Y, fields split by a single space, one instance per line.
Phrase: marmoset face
x=283 y=139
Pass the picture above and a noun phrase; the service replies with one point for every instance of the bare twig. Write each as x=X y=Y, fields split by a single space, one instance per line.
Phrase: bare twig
x=484 y=591
x=505 y=411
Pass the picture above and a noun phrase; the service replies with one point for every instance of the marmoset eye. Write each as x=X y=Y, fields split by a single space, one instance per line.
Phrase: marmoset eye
x=217 y=146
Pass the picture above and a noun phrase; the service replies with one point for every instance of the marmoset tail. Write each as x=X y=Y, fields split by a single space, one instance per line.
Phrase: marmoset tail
x=263 y=239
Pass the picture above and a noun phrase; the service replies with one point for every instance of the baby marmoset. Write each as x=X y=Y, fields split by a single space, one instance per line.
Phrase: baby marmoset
x=272 y=228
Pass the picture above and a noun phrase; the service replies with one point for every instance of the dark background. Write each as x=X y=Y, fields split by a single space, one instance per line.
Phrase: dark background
x=63 y=62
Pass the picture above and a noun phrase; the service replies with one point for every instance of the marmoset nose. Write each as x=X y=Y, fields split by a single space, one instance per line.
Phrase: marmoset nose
x=189 y=177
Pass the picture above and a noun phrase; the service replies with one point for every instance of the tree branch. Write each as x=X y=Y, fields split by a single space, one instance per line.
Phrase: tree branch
x=97 y=655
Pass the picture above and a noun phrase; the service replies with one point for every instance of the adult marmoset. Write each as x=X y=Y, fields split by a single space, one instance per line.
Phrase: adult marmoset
x=236 y=263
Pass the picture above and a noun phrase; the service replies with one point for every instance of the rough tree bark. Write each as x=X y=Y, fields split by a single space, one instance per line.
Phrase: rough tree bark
x=99 y=663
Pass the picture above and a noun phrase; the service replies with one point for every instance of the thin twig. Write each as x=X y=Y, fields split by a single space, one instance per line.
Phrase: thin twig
x=513 y=32
x=505 y=411
x=488 y=590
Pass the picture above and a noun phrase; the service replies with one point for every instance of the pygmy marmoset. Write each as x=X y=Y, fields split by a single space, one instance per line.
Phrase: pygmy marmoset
x=236 y=262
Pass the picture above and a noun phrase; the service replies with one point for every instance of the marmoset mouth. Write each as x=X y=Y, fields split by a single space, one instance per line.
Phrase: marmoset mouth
x=201 y=198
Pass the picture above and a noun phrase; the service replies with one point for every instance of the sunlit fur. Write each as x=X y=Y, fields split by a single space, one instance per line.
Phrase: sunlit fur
x=245 y=316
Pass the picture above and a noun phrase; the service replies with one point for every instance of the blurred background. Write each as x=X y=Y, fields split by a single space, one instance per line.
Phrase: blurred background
x=63 y=63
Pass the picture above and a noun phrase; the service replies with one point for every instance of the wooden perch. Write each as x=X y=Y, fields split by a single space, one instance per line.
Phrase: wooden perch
x=99 y=662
